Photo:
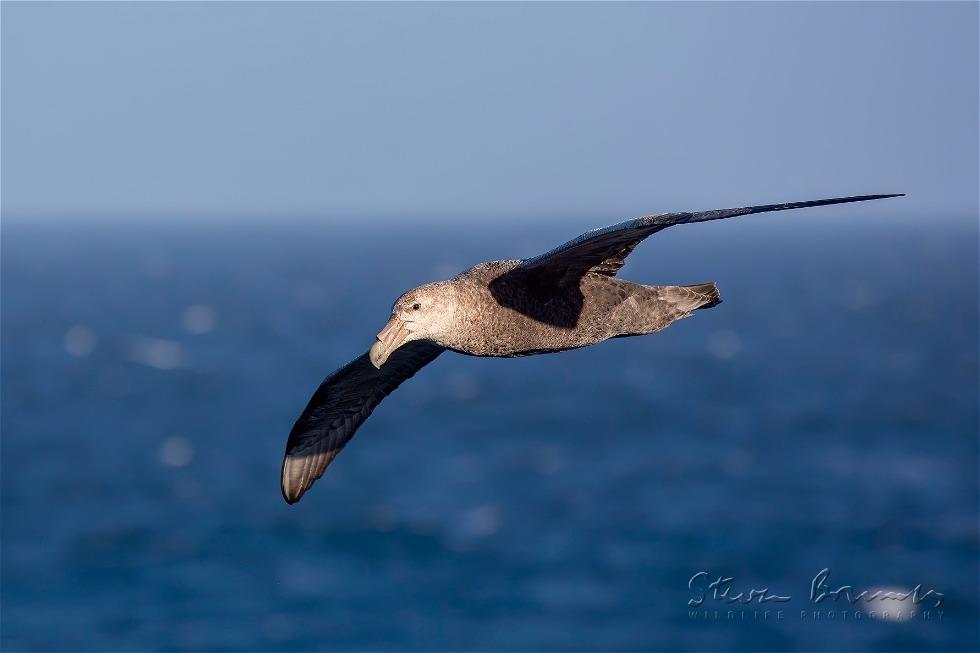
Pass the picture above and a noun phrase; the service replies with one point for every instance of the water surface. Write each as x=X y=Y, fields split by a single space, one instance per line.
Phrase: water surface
x=824 y=416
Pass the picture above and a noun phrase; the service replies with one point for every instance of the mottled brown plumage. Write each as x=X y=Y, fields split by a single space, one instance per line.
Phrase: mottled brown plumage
x=505 y=315
x=564 y=299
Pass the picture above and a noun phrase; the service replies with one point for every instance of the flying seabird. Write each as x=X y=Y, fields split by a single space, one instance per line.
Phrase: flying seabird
x=567 y=298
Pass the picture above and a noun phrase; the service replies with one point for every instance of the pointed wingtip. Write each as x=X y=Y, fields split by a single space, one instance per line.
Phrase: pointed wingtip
x=291 y=490
x=668 y=219
x=857 y=198
x=289 y=496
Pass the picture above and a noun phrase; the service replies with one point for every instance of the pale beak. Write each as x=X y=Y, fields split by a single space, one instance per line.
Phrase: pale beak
x=391 y=338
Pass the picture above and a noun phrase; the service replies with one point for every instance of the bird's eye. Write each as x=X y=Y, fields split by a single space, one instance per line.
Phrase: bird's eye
x=416 y=307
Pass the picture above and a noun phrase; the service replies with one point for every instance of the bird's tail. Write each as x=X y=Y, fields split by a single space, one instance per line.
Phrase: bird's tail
x=691 y=298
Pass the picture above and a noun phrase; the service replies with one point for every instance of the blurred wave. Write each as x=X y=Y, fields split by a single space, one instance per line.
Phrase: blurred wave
x=826 y=415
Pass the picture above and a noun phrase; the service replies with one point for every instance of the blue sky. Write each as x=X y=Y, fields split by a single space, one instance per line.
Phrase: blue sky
x=338 y=111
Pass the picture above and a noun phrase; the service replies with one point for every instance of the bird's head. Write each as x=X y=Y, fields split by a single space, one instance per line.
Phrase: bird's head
x=423 y=313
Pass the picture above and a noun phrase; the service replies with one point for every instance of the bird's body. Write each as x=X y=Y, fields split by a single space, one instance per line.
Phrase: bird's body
x=567 y=298
x=497 y=317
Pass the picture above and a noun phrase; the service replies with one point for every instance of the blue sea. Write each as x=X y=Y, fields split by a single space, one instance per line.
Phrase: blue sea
x=825 y=416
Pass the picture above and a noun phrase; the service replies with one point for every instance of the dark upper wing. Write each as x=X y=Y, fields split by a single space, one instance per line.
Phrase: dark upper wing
x=604 y=251
x=338 y=407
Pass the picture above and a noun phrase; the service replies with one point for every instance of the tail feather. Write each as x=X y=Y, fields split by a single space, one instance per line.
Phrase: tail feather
x=694 y=297
x=709 y=291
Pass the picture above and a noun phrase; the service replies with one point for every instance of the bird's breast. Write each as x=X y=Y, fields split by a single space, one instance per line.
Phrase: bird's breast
x=521 y=322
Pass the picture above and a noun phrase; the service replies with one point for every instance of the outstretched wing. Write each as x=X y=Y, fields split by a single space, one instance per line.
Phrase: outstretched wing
x=604 y=251
x=339 y=406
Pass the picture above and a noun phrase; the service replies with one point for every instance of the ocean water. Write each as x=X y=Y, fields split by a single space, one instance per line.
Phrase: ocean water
x=825 y=416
